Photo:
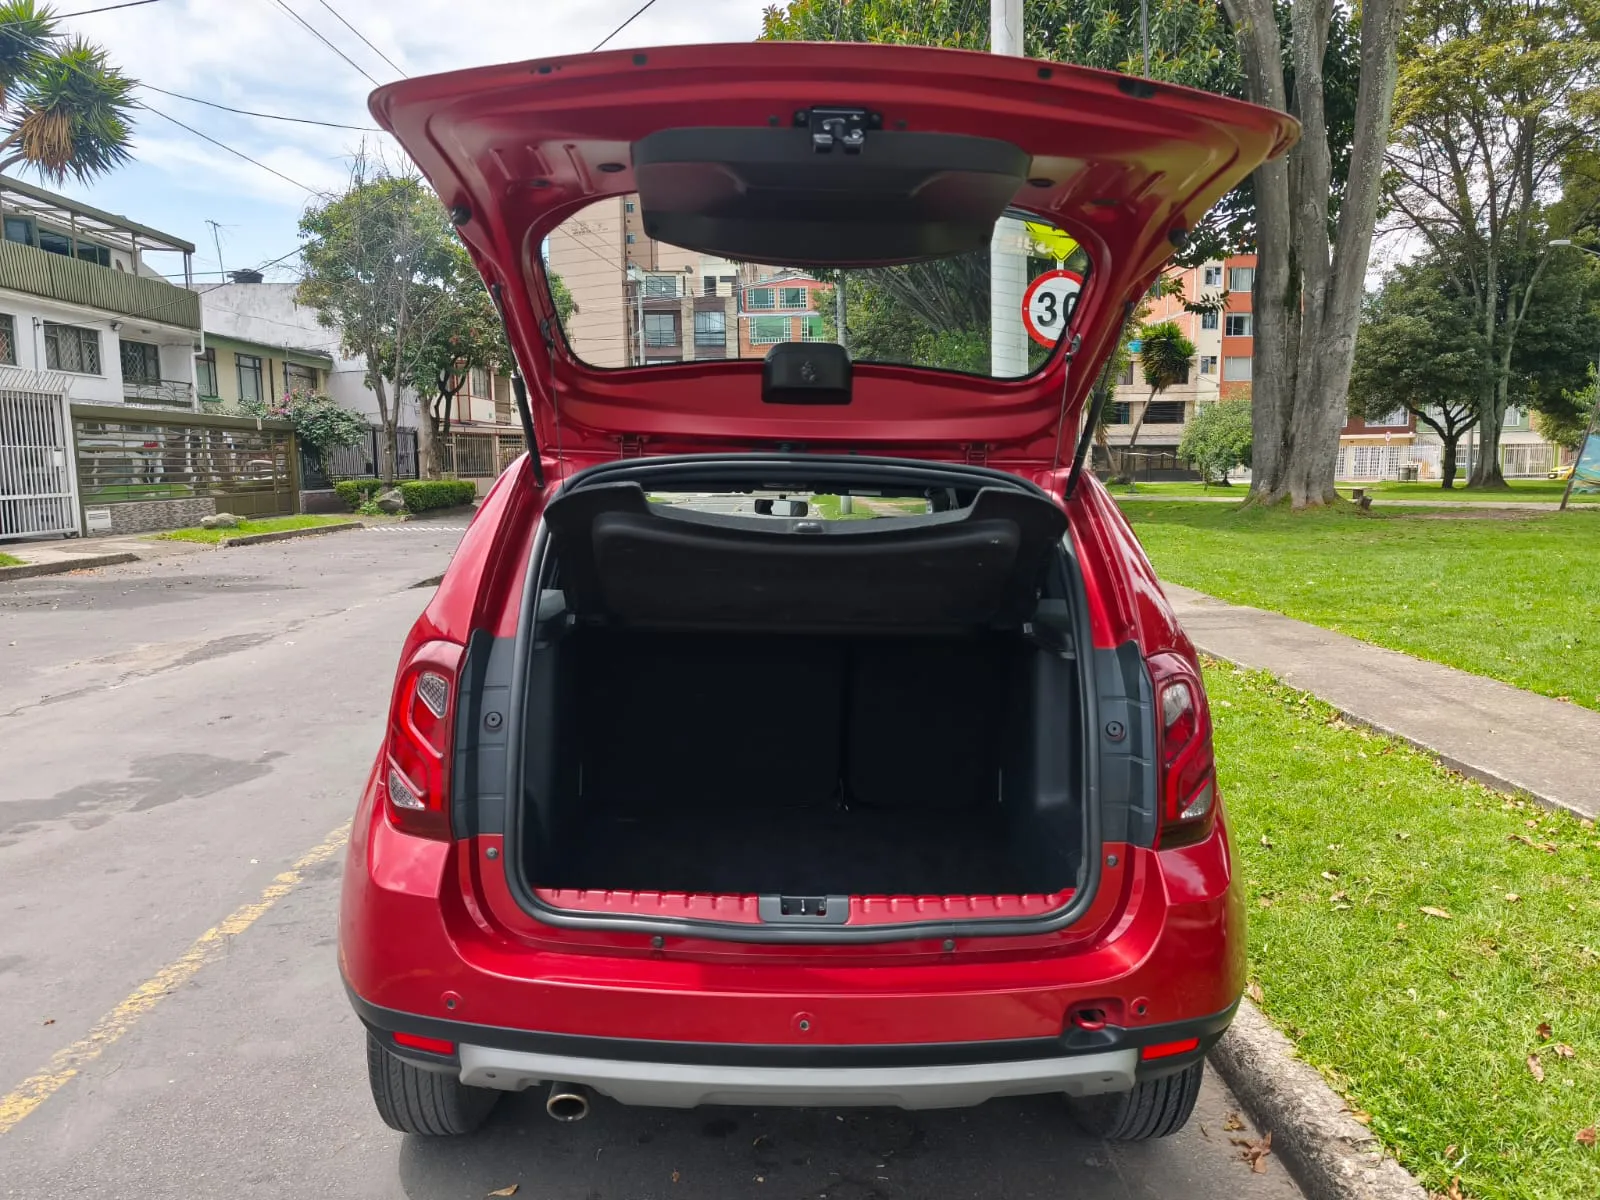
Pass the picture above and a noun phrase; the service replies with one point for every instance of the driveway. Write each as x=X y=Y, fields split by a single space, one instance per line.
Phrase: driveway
x=177 y=735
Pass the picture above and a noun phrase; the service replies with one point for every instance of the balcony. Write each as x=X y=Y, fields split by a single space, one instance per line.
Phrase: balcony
x=73 y=281
x=164 y=393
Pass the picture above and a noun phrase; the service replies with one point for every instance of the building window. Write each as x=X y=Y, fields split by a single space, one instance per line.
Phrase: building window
x=299 y=379
x=1208 y=320
x=766 y=330
x=1238 y=325
x=627 y=206
x=480 y=381
x=71 y=348
x=141 y=362
x=205 y=371
x=1399 y=417
x=792 y=297
x=55 y=243
x=89 y=252
x=711 y=329
x=1241 y=279
x=660 y=287
x=708 y=285
x=630 y=239
x=762 y=298
x=1121 y=413
x=20 y=229
x=1213 y=277
x=1515 y=418
x=1236 y=368
x=8 y=339
x=731 y=282
x=1164 y=412
x=812 y=330
x=1126 y=378
x=1208 y=364
x=251 y=387
x=660 y=329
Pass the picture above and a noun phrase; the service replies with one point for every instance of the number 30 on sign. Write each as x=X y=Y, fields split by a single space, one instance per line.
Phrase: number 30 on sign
x=1047 y=305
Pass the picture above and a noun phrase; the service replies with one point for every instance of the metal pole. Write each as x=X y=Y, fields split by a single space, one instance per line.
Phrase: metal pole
x=1008 y=260
x=839 y=313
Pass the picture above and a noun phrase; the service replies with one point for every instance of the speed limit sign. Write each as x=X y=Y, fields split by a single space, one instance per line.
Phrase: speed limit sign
x=1047 y=304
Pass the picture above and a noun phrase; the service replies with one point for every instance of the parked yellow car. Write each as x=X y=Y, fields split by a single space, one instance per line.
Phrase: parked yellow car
x=1561 y=472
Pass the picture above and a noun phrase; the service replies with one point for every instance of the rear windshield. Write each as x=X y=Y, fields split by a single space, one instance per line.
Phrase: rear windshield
x=627 y=300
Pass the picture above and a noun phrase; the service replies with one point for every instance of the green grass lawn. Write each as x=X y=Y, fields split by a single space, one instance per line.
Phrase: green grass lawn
x=268 y=525
x=137 y=491
x=828 y=508
x=10 y=560
x=1512 y=597
x=1236 y=490
x=1521 y=491
x=1424 y=1022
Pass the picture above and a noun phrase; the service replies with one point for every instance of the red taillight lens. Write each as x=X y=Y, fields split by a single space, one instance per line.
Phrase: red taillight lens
x=1188 y=763
x=415 y=778
x=1168 y=1049
x=415 y=1041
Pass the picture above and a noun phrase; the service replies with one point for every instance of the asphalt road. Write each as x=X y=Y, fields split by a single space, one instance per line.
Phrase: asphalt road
x=176 y=736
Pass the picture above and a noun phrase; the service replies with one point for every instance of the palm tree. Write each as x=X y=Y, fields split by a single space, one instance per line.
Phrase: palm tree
x=1164 y=356
x=64 y=109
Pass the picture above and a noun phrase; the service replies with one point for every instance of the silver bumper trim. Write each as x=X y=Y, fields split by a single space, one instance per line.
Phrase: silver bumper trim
x=678 y=1085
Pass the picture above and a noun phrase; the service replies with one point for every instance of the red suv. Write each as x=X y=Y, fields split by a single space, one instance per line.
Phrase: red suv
x=686 y=802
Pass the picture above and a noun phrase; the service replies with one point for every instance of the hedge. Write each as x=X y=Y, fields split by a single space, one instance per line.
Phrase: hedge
x=425 y=494
x=356 y=492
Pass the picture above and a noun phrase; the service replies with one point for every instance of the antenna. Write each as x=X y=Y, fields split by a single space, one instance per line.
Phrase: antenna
x=216 y=241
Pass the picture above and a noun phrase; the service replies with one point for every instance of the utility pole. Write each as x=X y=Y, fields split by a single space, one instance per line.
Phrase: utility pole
x=222 y=273
x=1008 y=255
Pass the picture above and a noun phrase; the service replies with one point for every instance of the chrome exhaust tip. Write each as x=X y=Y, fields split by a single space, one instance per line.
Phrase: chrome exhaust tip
x=567 y=1102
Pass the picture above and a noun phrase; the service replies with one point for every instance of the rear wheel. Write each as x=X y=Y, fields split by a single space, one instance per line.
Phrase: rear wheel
x=1155 y=1108
x=415 y=1100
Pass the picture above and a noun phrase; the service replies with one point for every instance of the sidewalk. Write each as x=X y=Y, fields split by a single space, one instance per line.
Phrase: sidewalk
x=1504 y=736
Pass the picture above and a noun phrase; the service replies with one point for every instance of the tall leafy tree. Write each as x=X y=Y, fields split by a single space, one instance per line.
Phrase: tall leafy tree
x=1497 y=101
x=378 y=261
x=65 y=110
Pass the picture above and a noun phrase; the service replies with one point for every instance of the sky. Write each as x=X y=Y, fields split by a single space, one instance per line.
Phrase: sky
x=252 y=54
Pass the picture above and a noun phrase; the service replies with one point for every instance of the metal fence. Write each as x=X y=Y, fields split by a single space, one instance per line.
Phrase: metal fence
x=480 y=453
x=127 y=455
x=364 y=460
x=35 y=465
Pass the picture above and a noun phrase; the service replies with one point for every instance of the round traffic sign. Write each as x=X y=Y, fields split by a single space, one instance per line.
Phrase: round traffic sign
x=1047 y=305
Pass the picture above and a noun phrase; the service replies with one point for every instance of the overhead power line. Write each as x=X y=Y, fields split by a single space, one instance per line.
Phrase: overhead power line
x=624 y=25
x=316 y=33
x=245 y=112
x=236 y=153
x=363 y=37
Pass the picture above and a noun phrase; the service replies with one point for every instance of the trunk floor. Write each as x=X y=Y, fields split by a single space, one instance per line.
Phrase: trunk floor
x=805 y=852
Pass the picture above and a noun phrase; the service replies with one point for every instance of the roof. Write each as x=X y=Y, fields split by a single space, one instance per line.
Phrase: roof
x=38 y=202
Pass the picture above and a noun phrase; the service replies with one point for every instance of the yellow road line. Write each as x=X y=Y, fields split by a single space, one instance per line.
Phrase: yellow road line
x=69 y=1060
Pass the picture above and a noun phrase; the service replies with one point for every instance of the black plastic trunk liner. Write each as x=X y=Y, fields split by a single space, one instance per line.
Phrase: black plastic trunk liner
x=802 y=851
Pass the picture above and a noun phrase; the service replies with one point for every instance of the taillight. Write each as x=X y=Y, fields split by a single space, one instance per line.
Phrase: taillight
x=415 y=779
x=1188 y=763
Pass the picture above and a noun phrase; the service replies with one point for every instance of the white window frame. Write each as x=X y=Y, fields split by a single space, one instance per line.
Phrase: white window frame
x=1234 y=319
x=1230 y=368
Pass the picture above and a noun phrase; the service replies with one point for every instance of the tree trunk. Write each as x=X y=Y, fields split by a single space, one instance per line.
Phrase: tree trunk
x=1447 y=464
x=428 y=442
x=386 y=418
x=1307 y=293
x=1133 y=438
x=1486 y=471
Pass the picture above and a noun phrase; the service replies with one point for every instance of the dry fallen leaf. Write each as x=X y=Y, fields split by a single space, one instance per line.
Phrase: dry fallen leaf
x=1264 y=902
x=1330 y=876
x=1431 y=911
x=1254 y=992
x=1266 y=842
x=1549 y=847
x=1361 y=1115
x=1454 y=1191
x=1450 y=1150
x=1338 y=896
x=1519 y=837
x=1531 y=824
x=1401 y=925
x=674 y=1177
x=50 y=1021
x=1255 y=1153
x=1231 y=1122
x=1536 y=1068
x=506 y=1191
x=1512 y=898
x=1544 y=1031
x=1585 y=1137
x=1565 y=1051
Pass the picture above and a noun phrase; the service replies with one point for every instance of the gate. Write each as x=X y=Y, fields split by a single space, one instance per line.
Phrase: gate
x=36 y=476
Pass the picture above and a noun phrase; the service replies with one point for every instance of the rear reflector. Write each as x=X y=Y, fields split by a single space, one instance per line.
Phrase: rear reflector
x=1168 y=1049
x=432 y=1045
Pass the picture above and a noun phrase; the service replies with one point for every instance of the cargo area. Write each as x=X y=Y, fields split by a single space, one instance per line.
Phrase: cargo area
x=754 y=707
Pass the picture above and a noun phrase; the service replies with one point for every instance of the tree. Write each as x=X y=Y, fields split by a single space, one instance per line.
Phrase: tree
x=1164 y=357
x=1218 y=439
x=321 y=423
x=466 y=334
x=376 y=262
x=1566 y=423
x=1497 y=99
x=1418 y=349
x=64 y=109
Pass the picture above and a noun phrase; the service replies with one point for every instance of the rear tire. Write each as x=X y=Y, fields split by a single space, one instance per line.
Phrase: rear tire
x=1155 y=1108
x=413 y=1099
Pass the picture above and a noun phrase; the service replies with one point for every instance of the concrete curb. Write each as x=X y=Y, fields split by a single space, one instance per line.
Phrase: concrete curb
x=32 y=570
x=1499 y=782
x=1330 y=1154
x=285 y=535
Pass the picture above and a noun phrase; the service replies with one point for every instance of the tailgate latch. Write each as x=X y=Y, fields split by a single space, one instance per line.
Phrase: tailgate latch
x=803 y=910
x=845 y=128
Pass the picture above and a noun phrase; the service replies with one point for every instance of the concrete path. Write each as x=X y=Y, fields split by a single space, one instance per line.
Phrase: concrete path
x=179 y=732
x=1502 y=735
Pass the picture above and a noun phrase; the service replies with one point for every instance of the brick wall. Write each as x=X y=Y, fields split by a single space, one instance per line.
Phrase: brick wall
x=146 y=516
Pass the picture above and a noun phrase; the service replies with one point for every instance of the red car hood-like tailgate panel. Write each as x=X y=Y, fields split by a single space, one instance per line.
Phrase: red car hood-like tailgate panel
x=1124 y=165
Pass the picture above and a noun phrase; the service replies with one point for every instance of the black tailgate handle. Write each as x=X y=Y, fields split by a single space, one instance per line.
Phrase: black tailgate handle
x=803 y=910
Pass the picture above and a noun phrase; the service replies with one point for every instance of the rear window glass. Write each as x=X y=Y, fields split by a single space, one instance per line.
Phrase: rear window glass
x=627 y=300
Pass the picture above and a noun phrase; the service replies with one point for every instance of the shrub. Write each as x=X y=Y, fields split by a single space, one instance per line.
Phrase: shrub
x=356 y=492
x=321 y=423
x=1218 y=439
x=425 y=494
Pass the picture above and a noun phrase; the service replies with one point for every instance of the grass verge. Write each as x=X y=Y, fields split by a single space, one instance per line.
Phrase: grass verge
x=1510 y=596
x=829 y=509
x=10 y=560
x=1520 y=491
x=269 y=525
x=1352 y=846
